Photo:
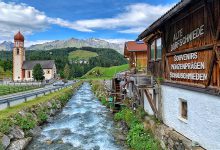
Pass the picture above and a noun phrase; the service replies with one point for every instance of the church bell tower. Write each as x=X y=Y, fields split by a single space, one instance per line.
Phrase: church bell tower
x=18 y=57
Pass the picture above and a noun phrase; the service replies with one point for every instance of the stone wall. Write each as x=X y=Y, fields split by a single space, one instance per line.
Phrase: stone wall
x=169 y=138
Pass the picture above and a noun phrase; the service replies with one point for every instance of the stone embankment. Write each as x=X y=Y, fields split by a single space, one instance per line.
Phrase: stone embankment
x=25 y=120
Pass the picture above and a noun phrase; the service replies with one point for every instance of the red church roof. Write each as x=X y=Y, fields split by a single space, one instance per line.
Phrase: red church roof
x=19 y=37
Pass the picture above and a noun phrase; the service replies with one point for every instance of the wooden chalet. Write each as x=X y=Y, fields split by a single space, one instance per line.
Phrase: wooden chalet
x=184 y=53
x=136 y=53
x=185 y=46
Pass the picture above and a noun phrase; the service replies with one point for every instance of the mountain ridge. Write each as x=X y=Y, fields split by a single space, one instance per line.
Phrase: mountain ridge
x=72 y=42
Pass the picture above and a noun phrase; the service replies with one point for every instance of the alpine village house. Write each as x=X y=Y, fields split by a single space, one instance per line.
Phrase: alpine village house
x=22 y=69
x=180 y=82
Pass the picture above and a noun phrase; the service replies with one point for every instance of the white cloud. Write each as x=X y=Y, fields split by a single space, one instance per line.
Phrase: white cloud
x=133 y=30
x=117 y=41
x=135 y=18
x=29 y=43
x=71 y=25
x=29 y=20
x=14 y=17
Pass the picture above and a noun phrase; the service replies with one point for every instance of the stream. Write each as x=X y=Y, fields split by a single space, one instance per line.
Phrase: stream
x=83 y=124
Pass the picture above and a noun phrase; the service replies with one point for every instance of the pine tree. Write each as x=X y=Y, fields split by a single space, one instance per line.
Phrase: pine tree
x=66 y=71
x=38 y=73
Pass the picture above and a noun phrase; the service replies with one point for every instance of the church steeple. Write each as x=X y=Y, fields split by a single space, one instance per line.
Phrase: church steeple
x=18 y=57
x=18 y=40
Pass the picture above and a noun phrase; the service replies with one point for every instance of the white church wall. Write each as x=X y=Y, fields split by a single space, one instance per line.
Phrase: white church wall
x=48 y=74
x=203 y=115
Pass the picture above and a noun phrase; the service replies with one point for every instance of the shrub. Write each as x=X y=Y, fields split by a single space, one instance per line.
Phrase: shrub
x=140 y=113
x=137 y=138
x=54 y=105
x=103 y=101
x=5 y=125
x=42 y=116
x=26 y=123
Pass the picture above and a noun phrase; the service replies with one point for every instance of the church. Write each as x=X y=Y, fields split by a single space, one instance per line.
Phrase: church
x=22 y=69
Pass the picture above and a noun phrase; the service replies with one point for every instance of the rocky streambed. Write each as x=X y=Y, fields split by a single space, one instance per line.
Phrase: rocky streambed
x=84 y=124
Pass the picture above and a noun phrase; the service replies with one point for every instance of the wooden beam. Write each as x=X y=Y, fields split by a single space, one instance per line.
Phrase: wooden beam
x=150 y=100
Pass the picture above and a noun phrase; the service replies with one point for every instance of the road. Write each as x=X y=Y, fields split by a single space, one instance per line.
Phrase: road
x=26 y=94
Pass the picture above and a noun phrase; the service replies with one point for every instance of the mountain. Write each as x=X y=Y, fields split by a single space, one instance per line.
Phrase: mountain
x=78 y=43
x=6 y=46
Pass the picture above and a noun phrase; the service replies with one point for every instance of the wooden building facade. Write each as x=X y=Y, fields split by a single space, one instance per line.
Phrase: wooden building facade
x=185 y=45
x=184 y=51
x=136 y=53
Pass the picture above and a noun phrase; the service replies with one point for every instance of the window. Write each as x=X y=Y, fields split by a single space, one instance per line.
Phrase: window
x=156 y=49
x=48 y=71
x=152 y=51
x=159 y=49
x=183 y=109
x=17 y=51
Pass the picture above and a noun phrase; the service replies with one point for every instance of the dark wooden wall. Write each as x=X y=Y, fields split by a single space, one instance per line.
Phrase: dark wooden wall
x=198 y=13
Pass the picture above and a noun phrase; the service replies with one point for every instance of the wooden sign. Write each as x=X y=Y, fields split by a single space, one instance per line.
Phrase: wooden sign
x=189 y=67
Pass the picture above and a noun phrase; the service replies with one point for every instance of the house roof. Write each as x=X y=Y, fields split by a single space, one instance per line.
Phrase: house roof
x=173 y=11
x=46 y=64
x=134 y=46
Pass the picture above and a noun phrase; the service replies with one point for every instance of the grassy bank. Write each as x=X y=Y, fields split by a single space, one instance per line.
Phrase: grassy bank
x=104 y=73
x=32 y=113
x=138 y=138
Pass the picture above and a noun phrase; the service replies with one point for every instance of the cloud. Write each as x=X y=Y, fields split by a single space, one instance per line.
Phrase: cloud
x=68 y=24
x=14 y=17
x=117 y=41
x=134 y=19
x=29 y=43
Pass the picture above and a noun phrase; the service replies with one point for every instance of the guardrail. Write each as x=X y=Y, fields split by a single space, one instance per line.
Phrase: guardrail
x=8 y=102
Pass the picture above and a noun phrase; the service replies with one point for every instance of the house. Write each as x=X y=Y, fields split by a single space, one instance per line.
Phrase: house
x=184 y=52
x=22 y=69
x=136 y=53
x=48 y=67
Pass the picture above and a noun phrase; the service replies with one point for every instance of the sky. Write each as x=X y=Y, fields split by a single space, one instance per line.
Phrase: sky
x=47 y=20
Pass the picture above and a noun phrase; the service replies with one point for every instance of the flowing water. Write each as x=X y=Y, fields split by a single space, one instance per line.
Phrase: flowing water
x=84 y=124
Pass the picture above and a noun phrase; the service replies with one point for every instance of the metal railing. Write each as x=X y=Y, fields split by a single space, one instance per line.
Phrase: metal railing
x=7 y=100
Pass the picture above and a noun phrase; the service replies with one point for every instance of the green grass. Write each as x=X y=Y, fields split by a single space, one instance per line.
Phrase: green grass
x=138 y=138
x=81 y=54
x=7 y=89
x=104 y=73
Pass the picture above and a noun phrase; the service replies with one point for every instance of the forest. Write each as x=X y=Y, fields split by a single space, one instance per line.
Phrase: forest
x=105 y=58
